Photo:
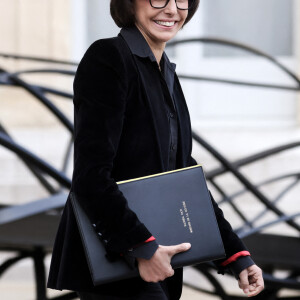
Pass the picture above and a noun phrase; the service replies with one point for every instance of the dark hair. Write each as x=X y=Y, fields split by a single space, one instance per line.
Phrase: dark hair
x=122 y=12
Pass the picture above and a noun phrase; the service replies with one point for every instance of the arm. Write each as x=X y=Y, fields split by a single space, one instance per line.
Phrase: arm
x=100 y=90
x=238 y=258
x=237 y=255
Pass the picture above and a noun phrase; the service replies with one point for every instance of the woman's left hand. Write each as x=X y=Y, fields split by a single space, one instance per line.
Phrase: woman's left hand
x=251 y=281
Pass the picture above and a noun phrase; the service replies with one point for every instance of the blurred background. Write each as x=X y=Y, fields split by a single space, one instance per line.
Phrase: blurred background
x=238 y=120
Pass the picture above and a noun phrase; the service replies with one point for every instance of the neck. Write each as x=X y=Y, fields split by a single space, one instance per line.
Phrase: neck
x=156 y=47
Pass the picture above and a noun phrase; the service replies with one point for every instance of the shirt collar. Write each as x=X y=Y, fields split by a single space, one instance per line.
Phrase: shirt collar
x=139 y=46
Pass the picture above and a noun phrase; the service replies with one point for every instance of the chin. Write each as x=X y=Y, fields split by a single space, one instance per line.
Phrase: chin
x=164 y=37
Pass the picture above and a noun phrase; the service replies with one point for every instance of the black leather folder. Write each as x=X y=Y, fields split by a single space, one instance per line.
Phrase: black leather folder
x=175 y=206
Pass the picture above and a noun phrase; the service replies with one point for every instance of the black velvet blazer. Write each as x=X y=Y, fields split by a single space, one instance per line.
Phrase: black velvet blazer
x=121 y=132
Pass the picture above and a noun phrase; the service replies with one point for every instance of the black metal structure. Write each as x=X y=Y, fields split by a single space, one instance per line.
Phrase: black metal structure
x=18 y=232
x=273 y=252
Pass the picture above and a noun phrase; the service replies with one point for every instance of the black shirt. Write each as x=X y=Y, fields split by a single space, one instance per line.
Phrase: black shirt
x=170 y=112
x=140 y=47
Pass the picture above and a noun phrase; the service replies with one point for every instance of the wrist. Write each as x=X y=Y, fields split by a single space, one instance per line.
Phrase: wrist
x=240 y=264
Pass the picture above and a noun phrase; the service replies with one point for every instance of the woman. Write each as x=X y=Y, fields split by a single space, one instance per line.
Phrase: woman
x=131 y=120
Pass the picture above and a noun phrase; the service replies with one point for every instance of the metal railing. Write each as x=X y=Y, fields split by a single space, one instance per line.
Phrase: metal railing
x=42 y=170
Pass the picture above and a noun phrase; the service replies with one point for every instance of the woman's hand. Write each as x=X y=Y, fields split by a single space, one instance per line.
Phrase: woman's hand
x=158 y=267
x=251 y=281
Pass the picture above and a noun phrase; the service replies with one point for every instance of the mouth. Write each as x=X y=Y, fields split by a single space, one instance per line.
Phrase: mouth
x=165 y=23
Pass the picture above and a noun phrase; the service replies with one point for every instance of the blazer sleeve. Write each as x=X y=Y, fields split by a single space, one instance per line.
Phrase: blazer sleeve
x=232 y=243
x=100 y=90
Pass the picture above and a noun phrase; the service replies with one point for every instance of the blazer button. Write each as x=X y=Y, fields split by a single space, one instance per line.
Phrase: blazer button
x=171 y=115
x=173 y=147
x=99 y=233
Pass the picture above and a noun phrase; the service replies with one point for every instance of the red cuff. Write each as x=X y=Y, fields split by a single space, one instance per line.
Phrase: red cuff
x=152 y=238
x=234 y=257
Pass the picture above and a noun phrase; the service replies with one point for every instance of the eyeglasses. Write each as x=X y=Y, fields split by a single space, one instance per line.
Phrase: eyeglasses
x=181 y=4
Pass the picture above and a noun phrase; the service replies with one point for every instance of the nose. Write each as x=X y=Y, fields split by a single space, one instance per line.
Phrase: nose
x=171 y=8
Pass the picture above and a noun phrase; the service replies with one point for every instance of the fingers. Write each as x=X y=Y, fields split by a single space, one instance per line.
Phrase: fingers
x=251 y=281
x=154 y=276
x=172 y=250
x=255 y=289
x=158 y=268
x=256 y=281
x=243 y=281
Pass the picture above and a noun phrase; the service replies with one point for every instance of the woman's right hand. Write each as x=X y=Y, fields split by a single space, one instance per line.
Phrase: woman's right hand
x=158 y=267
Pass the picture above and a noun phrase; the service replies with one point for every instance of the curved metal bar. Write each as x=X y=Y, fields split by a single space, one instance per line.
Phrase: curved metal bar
x=268 y=181
x=51 y=71
x=4 y=80
x=201 y=40
x=237 y=82
x=234 y=207
x=38 y=256
x=34 y=160
x=61 y=117
x=228 y=199
x=272 y=180
x=252 y=158
x=67 y=156
x=11 y=261
x=261 y=214
x=171 y=44
x=243 y=191
x=281 y=194
x=34 y=171
x=54 y=110
x=53 y=91
x=268 y=224
x=189 y=77
x=243 y=180
x=287 y=189
x=239 y=46
x=39 y=59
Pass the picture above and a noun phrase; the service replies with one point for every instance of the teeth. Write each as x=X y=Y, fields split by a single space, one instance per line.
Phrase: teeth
x=169 y=24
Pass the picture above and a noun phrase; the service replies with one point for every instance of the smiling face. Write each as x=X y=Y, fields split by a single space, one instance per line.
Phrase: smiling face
x=158 y=25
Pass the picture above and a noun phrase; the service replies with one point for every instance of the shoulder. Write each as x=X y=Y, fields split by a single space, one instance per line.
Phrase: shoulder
x=110 y=50
x=103 y=67
x=104 y=58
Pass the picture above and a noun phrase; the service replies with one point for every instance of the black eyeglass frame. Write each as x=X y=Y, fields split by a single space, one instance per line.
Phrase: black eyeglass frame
x=167 y=2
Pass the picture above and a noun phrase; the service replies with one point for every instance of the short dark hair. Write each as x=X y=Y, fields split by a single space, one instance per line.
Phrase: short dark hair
x=122 y=12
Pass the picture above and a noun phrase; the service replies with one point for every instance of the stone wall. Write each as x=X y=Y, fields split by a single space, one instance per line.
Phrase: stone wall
x=33 y=28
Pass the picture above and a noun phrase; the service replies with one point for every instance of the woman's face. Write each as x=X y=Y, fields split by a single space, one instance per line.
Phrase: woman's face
x=159 y=25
